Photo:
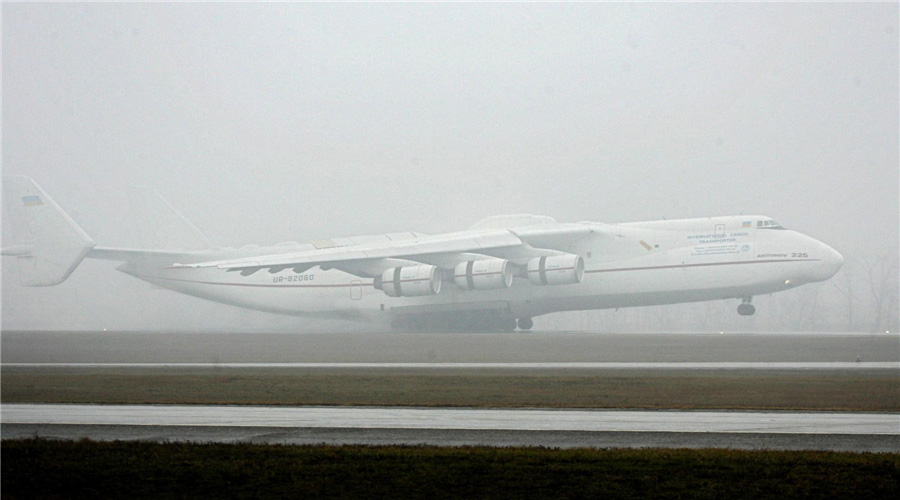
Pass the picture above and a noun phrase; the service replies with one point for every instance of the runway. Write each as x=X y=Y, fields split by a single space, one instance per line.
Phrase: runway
x=452 y=426
x=884 y=365
x=532 y=347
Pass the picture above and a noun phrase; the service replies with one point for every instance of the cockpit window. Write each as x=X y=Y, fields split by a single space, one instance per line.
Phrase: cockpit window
x=768 y=224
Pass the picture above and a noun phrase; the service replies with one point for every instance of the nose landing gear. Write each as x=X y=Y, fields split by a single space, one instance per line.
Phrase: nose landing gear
x=746 y=308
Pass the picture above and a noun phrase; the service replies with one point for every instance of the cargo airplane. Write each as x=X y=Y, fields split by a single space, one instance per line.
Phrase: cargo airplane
x=496 y=275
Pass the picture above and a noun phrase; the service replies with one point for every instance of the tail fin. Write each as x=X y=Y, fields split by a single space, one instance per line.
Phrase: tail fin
x=49 y=244
x=160 y=226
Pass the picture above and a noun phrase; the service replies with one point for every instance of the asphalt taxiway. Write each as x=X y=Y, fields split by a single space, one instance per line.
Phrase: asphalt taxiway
x=456 y=418
x=457 y=426
x=780 y=366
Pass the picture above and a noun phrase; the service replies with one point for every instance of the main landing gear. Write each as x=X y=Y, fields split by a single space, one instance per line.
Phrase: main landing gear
x=525 y=323
x=746 y=308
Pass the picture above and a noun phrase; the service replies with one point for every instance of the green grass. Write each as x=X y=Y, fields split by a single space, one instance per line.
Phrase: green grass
x=869 y=391
x=38 y=468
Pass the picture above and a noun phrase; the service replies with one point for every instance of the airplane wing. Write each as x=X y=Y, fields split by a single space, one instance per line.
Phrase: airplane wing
x=444 y=251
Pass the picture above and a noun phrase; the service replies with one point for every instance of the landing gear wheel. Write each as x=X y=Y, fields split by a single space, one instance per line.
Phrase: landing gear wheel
x=746 y=310
x=525 y=323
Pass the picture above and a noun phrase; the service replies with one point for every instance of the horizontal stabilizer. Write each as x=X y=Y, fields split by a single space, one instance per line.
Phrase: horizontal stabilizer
x=131 y=254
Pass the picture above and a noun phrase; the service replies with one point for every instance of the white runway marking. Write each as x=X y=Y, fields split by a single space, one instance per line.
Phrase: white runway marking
x=458 y=419
x=884 y=365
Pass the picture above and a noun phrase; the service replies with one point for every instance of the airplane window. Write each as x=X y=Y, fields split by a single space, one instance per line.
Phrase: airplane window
x=768 y=224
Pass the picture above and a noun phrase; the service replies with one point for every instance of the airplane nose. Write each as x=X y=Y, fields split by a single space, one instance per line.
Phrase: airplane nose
x=832 y=261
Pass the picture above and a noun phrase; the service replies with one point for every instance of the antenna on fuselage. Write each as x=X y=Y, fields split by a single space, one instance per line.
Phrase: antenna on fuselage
x=160 y=226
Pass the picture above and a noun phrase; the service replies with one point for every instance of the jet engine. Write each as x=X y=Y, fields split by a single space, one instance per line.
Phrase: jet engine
x=556 y=270
x=410 y=281
x=485 y=274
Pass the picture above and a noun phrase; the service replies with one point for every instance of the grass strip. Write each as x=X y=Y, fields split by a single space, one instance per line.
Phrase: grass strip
x=38 y=468
x=789 y=390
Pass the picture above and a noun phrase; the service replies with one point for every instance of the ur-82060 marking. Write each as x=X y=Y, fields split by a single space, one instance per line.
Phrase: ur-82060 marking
x=293 y=279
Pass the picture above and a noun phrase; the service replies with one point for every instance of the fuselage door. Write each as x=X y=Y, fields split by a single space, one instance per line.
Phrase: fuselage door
x=720 y=230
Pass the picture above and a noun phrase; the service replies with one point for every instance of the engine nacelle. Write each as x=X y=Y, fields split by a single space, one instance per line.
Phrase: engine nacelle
x=411 y=281
x=485 y=274
x=556 y=270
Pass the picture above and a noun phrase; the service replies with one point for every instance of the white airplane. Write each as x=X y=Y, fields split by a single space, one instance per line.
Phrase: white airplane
x=496 y=275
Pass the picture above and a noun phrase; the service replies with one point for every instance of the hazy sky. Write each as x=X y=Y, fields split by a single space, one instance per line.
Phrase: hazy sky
x=266 y=123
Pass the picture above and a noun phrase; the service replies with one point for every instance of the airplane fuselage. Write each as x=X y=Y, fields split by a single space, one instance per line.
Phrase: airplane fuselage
x=633 y=264
x=497 y=275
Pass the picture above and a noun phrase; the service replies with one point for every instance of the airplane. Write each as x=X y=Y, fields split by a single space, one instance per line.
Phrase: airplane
x=495 y=276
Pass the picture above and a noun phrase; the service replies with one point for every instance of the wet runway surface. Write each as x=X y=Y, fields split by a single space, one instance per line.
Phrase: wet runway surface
x=456 y=418
x=445 y=426
x=531 y=347
x=883 y=365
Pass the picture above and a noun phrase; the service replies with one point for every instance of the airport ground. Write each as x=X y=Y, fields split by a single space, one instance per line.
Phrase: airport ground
x=809 y=390
x=416 y=370
x=38 y=468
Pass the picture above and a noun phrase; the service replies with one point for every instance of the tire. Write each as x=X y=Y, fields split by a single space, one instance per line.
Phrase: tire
x=746 y=310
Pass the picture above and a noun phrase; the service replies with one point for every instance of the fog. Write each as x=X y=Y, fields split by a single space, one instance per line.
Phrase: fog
x=265 y=123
